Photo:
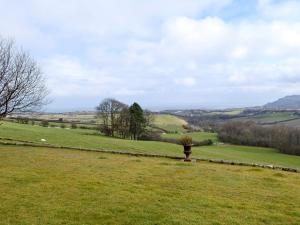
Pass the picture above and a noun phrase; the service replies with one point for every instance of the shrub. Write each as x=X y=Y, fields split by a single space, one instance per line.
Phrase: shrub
x=106 y=130
x=23 y=120
x=203 y=143
x=44 y=123
x=150 y=136
x=185 y=140
x=73 y=125
x=82 y=127
x=63 y=125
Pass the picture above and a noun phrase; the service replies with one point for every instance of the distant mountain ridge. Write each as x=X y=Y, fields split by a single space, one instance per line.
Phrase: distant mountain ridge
x=287 y=102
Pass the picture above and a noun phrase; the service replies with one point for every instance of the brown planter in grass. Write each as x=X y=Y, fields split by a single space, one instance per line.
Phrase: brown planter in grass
x=187 y=151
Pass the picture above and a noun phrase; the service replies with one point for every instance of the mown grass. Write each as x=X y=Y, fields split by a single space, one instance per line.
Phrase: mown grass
x=247 y=154
x=47 y=186
x=90 y=139
x=169 y=122
x=197 y=136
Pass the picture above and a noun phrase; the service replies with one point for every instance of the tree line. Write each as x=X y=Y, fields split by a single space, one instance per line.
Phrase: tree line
x=285 y=139
x=121 y=120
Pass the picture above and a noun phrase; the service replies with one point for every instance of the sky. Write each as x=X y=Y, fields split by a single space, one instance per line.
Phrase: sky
x=163 y=54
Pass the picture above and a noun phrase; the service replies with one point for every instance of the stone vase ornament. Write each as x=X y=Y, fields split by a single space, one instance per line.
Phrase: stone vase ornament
x=187 y=144
x=187 y=151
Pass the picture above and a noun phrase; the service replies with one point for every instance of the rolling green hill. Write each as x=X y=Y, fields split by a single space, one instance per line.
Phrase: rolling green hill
x=272 y=117
x=287 y=102
x=50 y=186
x=90 y=139
x=169 y=122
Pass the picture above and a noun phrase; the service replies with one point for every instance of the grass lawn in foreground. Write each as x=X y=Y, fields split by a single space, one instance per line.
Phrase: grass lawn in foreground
x=88 y=139
x=49 y=186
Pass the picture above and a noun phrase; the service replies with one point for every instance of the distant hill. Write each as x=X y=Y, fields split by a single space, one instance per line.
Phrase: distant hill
x=288 y=102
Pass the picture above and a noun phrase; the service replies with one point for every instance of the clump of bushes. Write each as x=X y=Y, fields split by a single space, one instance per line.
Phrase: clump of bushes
x=62 y=125
x=73 y=126
x=203 y=143
x=150 y=136
x=23 y=120
x=106 y=130
x=285 y=139
x=44 y=123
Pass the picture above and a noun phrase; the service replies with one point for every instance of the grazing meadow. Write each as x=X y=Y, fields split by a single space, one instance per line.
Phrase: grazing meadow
x=56 y=186
x=83 y=138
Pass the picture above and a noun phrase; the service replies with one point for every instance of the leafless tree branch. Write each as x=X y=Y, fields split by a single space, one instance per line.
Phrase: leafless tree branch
x=22 y=86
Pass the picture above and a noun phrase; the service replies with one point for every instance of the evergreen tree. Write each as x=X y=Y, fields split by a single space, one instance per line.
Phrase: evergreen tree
x=137 y=121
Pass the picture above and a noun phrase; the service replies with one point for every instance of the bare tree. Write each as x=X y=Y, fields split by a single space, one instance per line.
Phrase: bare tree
x=109 y=110
x=22 y=86
x=149 y=117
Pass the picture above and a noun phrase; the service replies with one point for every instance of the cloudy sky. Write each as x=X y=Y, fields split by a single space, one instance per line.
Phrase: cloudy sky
x=161 y=53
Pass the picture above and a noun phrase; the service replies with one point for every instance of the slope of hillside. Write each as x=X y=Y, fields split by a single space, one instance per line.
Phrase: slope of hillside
x=89 y=139
x=169 y=122
x=49 y=186
x=288 y=102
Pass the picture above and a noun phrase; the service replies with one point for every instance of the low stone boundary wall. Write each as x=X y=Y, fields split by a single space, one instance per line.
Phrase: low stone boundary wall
x=219 y=161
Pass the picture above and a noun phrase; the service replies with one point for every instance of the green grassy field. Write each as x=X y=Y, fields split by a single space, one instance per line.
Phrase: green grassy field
x=197 y=136
x=293 y=123
x=76 y=116
x=230 y=113
x=169 y=122
x=90 y=139
x=271 y=117
x=49 y=186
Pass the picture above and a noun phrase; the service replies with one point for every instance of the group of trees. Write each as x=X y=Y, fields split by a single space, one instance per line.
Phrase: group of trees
x=119 y=119
x=285 y=139
x=22 y=88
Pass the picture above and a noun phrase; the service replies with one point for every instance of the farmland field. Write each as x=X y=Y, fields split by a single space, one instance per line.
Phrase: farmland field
x=47 y=186
x=272 y=117
x=230 y=113
x=169 y=122
x=91 y=139
x=76 y=116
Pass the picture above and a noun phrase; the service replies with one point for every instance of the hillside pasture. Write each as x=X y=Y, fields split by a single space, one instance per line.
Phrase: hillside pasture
x=91 y=139
x=272 y=117
x=73 y=187
x=169 y=123
x=72 y=116
x=233 y=112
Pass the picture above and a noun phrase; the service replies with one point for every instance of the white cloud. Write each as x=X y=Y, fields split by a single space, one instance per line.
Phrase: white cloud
x=187 y=81
x=127 y=92
x=68 y=77
x=147 y=49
